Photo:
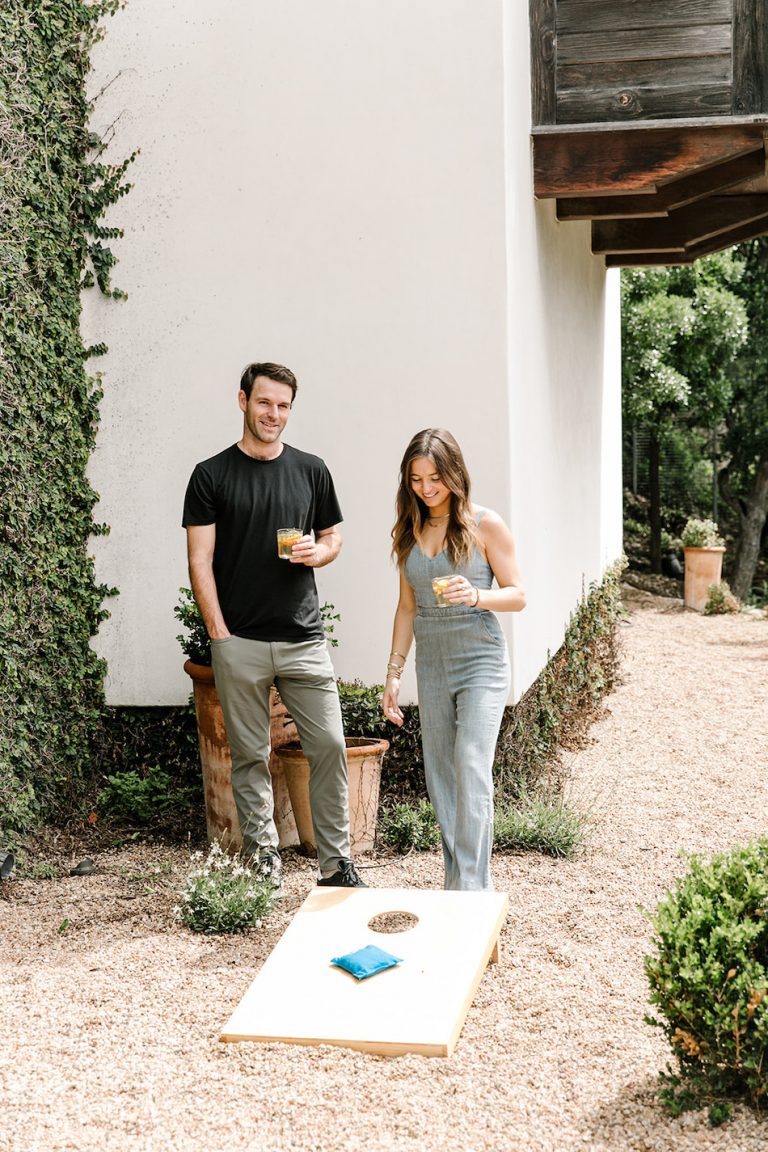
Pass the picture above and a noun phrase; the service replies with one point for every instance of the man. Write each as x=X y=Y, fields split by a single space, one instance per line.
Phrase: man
x=263 y=617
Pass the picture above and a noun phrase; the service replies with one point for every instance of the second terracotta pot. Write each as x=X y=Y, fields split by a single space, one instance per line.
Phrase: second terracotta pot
x=364 y=758
x=703 y=568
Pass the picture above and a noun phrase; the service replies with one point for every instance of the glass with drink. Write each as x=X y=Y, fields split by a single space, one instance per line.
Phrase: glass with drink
x=286 y=538
x=439 y=585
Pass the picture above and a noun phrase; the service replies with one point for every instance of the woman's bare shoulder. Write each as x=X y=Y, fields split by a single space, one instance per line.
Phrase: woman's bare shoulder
x=486 y=517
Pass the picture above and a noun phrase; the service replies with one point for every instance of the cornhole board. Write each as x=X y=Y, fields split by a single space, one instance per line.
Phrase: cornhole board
x=299 y=997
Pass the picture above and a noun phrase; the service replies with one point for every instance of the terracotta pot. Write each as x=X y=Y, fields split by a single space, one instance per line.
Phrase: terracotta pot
x=216 y=762
x=364 y=757
x=703 y=567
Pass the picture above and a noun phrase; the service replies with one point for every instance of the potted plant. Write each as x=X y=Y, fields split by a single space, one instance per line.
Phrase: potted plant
x=215 y=757
x=365 y=752
x=287 y=763
x=703 y=548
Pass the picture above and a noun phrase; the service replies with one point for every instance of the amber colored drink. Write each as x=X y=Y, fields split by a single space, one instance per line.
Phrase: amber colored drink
x=286 y=538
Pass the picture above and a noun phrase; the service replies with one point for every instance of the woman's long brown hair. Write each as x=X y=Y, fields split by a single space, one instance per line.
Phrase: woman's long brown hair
x=412 y=513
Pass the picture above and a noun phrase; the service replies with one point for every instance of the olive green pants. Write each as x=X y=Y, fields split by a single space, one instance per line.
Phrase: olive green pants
x=303 y=675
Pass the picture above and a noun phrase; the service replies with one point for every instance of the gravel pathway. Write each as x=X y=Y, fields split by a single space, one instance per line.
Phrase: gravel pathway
x=110 y=1012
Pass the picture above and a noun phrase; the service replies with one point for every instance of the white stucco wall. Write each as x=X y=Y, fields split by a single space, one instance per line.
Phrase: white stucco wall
x=343 y=187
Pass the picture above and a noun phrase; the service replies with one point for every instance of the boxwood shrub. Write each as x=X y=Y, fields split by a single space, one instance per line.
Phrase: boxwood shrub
x=708 y=977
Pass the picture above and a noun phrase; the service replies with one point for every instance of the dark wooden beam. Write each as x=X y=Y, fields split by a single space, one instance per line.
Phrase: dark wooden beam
x=643 y=206
x=686 y=227
x=647 y=259
x=655 y=259
x=606 y=160
x=674 y=194
x=737 y=235
x=542 y=21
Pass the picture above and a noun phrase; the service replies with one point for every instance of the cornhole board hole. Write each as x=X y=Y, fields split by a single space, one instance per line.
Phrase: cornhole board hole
x=299 y=997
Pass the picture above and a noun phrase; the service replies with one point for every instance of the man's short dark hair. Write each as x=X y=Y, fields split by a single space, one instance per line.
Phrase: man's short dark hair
x=273 y=372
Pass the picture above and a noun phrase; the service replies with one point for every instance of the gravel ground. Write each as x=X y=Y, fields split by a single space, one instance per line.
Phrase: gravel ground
x=110 y=1023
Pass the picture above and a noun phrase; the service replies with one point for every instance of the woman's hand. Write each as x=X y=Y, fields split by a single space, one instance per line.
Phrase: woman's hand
x=460 y=591
x=389 y=705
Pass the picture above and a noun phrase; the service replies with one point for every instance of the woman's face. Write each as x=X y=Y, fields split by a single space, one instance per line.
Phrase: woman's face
x=425 y=483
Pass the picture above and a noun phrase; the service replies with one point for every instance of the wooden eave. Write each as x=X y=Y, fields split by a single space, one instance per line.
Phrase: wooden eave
x=657 y=192
x=650 y=120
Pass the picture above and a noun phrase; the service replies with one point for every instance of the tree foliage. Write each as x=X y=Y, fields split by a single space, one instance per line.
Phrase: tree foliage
x=744 y=474
x=682 y=330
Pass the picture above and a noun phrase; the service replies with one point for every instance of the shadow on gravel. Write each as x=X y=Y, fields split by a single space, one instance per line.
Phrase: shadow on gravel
x=634 y=1120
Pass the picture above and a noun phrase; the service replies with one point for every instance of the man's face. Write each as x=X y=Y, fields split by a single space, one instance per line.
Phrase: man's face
x=267 y=409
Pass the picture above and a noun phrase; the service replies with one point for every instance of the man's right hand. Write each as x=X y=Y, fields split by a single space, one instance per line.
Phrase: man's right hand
x=225 y=635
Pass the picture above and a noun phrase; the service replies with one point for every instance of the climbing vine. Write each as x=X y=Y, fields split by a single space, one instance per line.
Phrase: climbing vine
x=53 y=193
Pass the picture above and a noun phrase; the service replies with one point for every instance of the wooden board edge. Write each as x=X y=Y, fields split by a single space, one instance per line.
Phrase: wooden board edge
x=371 y=1047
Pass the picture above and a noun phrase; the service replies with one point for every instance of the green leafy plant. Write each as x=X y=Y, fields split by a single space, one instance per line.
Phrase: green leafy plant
x=720 y=600
x=708 y=977
x=195 y=642
x=531 y=825
x=137 y=799
x=409 y=827
x=157 y=750
x=670 y=543
x=565 y=698
x=329 y=619
x=37 y=870
x=222 y=894
x=701 y=534
x=55 y=191
x=361 y=709
x=402 y=776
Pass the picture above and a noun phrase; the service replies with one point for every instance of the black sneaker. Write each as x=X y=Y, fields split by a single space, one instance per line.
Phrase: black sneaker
x=346 y=877
x=269 y=868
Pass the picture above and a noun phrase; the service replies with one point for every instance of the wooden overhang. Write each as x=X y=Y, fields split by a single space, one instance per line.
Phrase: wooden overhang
x=650 y=119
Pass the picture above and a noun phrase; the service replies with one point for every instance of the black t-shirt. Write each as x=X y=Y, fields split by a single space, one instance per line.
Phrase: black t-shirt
x=263 y=597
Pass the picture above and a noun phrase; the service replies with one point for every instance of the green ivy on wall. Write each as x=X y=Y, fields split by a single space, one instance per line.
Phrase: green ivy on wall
x=52 y=196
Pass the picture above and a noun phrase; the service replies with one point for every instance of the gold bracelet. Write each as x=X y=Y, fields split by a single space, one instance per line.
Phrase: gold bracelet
x=477 y=596
x=403 y=658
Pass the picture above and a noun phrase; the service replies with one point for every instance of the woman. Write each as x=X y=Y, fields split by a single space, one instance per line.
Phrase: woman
x=462 y=666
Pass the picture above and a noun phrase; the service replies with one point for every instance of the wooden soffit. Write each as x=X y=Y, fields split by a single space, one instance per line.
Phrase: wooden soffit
x=657 y=193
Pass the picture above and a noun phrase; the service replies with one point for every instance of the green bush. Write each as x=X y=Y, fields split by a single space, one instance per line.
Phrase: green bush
x=146 y=765
x=135 y=799
x=409 y=827
x=708 y=976
x=221 y=894
x=531 y=825
x=361 y=712
x=566 y=697
x=720 y=600
x=403 y=768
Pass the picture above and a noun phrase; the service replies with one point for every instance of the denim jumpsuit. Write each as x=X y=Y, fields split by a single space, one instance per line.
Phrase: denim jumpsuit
x=462 y=674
